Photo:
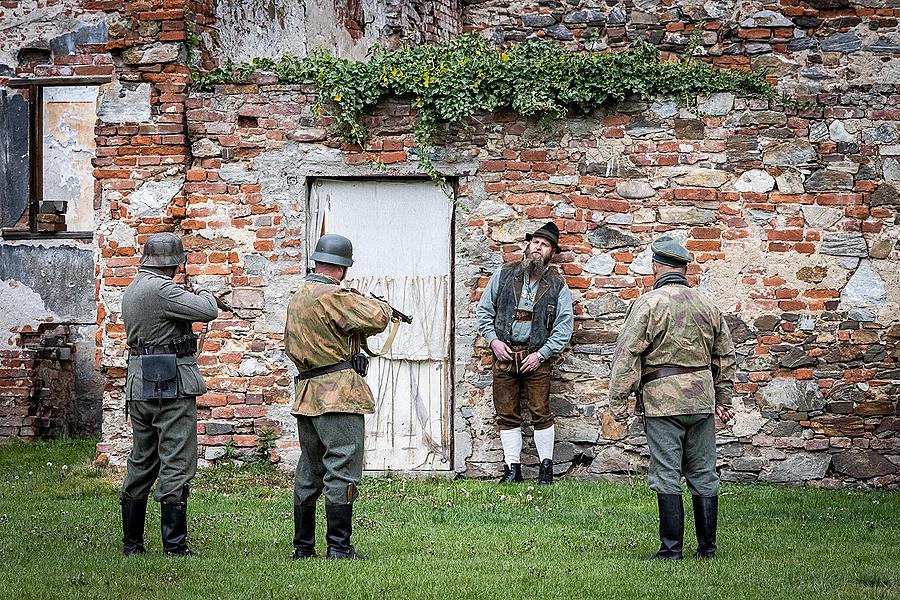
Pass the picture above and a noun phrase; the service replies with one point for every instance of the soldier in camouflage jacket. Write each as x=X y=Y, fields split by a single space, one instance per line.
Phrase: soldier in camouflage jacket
x=325 y=324
x=676 y=354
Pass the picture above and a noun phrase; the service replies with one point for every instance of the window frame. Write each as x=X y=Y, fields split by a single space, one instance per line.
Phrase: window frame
x=35 y=86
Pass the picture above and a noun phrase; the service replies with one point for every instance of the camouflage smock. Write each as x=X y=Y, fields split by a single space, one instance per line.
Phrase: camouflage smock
x=322 y=320
x=673 y=326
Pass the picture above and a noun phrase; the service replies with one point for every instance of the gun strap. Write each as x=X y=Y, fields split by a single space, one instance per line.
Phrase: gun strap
x=388 y=343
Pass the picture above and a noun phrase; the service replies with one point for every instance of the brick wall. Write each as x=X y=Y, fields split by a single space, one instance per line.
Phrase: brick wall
x=792 y=216
x=37 y=386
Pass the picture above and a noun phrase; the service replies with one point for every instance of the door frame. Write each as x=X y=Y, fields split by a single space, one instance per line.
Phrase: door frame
x=453 y=183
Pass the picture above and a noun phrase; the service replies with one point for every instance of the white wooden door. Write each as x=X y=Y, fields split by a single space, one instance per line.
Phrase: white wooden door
x=401 y=250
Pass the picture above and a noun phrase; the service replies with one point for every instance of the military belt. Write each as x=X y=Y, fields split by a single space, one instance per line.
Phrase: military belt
x=147 y=350
x=184 y=345
x=341 y=366
x=668 y=372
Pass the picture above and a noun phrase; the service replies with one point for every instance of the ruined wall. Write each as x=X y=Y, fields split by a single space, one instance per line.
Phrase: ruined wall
x=50 y=384
x=792 y=216
x=350 y=28
x=808 y=276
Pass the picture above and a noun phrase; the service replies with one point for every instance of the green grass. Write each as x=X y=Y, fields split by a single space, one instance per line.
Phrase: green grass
x=60 y=538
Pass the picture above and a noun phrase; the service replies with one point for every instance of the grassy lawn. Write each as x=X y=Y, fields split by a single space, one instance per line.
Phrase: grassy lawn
x=60 y=538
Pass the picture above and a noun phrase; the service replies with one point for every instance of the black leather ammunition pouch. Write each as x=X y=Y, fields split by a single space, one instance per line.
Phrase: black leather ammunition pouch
x=160 y=376
x=185 y=345
x=360 y=363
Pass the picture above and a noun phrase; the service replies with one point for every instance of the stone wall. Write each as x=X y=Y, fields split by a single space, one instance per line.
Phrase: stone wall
x=792 y=216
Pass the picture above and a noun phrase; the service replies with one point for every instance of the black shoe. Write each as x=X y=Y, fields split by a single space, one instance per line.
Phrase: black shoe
x=545 y=474
x=339 y=519
x=304 y=531
x=671 y=527
x=173 y=525
x=706 y=513
x=134 y=513
x=512 y=473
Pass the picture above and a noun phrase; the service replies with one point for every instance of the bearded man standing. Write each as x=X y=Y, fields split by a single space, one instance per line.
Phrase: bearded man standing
x=525 y=314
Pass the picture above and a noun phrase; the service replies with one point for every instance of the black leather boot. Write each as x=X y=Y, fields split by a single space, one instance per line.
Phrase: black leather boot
x=134 y=513
x=545 y=474
x=706 y=513
x=304 y=531
x=173 y=525
x=512 y=473
x=339 y=518
x=671 y=527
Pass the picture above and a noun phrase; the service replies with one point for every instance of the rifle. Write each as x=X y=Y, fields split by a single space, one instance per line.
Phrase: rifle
x=396 y=315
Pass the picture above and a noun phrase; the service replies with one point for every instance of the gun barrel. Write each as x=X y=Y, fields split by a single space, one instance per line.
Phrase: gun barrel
x=395 y=314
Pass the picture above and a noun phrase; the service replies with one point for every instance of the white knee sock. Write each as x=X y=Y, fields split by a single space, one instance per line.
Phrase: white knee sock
x=512 y=445
x=543 y=441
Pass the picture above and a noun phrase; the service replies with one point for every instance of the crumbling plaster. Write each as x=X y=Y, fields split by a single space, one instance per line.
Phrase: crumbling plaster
x=248 y=29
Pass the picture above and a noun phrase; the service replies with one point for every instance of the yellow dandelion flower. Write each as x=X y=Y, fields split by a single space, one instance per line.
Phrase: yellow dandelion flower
x=337 y=98
x=504 y=56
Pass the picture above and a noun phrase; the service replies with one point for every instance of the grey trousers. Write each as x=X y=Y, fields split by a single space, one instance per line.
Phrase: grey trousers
x=164 y=445
x=682 y=445
x=332 y=448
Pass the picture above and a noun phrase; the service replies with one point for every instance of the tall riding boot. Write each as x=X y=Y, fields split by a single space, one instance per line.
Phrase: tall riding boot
x=339 y=518
x=173 y=524
x=512 y=473
x=706 y=513
x=671 y=527
x=304 y=531
x=134 y=513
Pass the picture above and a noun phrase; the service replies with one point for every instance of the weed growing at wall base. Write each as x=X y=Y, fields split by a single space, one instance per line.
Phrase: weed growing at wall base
x=450 y=82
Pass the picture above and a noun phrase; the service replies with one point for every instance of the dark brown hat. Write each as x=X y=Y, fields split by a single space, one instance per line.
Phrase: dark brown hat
x=548 y=231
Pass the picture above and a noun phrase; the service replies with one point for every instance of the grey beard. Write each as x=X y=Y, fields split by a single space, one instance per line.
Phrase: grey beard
x=534 y=264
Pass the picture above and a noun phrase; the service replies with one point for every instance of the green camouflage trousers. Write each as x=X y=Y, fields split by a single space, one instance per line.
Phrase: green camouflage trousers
x=331 y=457
x=682 y=445
x=164 y=446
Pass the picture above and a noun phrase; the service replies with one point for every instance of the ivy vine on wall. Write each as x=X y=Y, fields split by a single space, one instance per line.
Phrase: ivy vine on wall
x=449 y=82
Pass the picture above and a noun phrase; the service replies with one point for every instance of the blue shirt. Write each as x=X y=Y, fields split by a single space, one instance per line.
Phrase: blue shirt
x=562 y=325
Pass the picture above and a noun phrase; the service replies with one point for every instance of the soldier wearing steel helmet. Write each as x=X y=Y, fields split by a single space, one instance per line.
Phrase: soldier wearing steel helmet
x=676 y=354
x=160 y=393
x=325 y=326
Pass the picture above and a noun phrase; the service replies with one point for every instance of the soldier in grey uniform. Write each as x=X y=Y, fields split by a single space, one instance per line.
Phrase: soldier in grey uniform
x=675 y=353
x=160 y=393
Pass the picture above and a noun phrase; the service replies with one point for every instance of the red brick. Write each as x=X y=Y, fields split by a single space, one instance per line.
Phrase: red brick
x=786 y=235
x=695 y=194
x=706 y=233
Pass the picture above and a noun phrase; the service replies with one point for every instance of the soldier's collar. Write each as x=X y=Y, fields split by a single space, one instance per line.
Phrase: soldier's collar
x=320 y=278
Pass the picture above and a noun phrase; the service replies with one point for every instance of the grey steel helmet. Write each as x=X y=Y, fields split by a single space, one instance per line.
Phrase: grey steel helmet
x=333 y=249
x=163 y=250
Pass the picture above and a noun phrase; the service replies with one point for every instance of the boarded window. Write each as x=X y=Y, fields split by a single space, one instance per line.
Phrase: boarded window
x=14 y=157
